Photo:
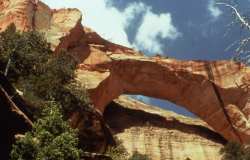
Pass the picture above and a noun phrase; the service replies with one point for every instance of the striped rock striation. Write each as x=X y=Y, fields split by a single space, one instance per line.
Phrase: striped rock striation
x=216 y=91
x=61 y=27
x=161 y=134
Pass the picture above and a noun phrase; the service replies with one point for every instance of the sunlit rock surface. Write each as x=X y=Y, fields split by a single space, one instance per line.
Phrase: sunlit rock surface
x=160 y=134
x=61 y=27
x=216 y=91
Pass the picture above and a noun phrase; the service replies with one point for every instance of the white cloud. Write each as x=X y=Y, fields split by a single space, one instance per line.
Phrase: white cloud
x=112 y=23
x=132 y=11
x=108 y=22
x=154 y=28
x=213 y=9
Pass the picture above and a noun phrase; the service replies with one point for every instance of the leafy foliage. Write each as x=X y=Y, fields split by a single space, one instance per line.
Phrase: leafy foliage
x=41 y=75
x=117 y=152
x=51 y=138
x=28 y=51
x=138 y=156
x=235 y=151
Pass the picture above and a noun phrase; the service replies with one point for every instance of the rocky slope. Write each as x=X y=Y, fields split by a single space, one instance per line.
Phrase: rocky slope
x=160 y=134
x=216 y=91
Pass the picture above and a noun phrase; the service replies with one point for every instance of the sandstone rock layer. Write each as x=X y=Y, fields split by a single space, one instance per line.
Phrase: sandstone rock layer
x=216 y=91
x=160 y=134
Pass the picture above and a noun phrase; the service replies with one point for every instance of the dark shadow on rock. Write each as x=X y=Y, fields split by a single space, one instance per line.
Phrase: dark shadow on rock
x=12 y=122
x=16 y=98
x=120 y=118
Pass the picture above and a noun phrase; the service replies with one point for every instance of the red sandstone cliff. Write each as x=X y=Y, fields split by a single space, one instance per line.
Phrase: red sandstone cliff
x=216 y=91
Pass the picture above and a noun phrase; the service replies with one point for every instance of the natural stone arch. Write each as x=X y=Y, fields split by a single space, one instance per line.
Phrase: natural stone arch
x=182 y=82
x=185 y=83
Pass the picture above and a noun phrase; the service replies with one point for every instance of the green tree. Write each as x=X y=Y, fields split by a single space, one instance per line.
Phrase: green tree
x=138 y=156
x=51 y=138
x=232 y=151
x=117 y=152
x=39 y=73
x=22 y=54
x=29 y=63
x=235 y=151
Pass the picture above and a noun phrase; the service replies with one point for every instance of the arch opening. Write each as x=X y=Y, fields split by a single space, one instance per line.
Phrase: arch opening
x=125 y=115
x=164 y=104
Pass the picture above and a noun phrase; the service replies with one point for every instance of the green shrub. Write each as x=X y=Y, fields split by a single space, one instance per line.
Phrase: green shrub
x=29 y=63
x=42 y=76
x=117 y=152
x=51 y=138
x=27 y=52
x=235 y=151
x=138 y=156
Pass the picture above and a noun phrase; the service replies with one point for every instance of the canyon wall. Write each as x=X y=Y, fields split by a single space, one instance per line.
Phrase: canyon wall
x=161 y=134
x=216 y=91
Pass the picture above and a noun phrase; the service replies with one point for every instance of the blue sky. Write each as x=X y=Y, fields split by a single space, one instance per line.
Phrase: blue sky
x=183 y=29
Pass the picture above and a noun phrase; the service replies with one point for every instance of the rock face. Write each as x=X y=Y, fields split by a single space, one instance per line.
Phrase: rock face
x=216 y=91
x=20 y=12
x=62 y=28
x=94 y=134
x=160 y=134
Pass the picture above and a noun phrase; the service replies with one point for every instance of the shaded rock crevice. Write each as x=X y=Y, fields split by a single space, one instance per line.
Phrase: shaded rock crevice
x=161 y=134
x=123 y=118
x=14 y=120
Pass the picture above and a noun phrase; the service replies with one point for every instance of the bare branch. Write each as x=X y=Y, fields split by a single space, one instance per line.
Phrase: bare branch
x=7 y=67
x=237 y=13
x=14 y=108
x=242 y=44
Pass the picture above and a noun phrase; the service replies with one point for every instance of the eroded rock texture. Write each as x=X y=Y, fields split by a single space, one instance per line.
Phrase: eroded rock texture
x=216 y=91
x=61 y=27
x=160 y=134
